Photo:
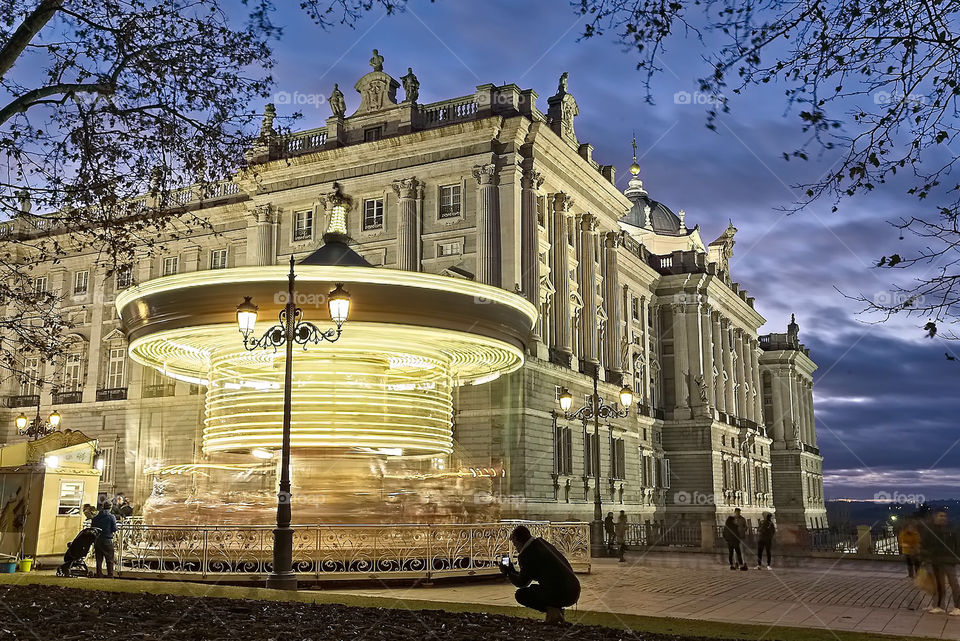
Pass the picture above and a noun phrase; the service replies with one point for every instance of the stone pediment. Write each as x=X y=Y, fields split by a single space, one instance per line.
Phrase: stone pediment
x=378 y=91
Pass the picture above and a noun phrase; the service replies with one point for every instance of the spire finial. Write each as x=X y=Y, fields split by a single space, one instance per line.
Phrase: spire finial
x=634 y=168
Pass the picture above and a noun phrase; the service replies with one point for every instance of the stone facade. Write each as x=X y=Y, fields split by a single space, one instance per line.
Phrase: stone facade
x=488 y=187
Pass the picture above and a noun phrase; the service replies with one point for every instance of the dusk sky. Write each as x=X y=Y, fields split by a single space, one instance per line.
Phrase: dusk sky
x=886 y=396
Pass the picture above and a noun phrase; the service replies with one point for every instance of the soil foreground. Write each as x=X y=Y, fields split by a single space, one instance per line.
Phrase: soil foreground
x=39 y=613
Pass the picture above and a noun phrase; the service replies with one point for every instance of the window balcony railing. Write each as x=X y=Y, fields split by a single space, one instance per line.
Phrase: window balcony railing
x=66 y=398
x=159 y=390
x=112 y=394
x=24 y=400
x=303 y=233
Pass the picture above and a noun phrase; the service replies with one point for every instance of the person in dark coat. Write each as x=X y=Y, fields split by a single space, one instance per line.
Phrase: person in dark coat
x=621 y=530
x=103 y=546
x=941 y=549
x=610 y=528
x=765 y=539
x=556 y=586
x=733 y=535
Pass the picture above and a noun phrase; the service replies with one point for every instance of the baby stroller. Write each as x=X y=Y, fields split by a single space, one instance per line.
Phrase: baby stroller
x=73 y=558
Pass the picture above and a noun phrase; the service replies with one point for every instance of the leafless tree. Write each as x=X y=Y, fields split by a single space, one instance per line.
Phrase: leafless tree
x=875 y=81
x=108 y=109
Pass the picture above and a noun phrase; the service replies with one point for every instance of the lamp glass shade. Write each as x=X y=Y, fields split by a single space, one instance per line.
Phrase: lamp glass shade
x=246 y=316
x=626 y=397
x=54 y=419
x=566 y=400
x=21 y=421
x=339 y=303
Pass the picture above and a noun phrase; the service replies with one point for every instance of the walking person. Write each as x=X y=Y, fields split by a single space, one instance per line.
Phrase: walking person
x=941 y=549
x=556 y=586
x=103 y=546
x=610 y=529
x=621 y=532
x=765 y=539
x=909 y=538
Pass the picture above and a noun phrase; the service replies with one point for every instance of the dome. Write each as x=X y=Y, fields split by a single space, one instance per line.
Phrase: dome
x=662 y=220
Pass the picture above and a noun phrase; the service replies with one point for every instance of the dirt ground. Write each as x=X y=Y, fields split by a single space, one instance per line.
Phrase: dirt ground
x=39 y=613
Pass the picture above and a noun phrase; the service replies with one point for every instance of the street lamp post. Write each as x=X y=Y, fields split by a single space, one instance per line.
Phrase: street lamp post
x=37 y=427
x=595 y=410
x=290 y=330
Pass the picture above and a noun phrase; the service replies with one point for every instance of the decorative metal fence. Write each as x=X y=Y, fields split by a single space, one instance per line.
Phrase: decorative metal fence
x=337 y=551
x=656 y=534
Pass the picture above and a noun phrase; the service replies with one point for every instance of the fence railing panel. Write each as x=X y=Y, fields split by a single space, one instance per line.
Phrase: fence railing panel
x=328 y=551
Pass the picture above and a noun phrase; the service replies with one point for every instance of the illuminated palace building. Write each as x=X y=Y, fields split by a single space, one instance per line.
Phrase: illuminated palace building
x=492 y=263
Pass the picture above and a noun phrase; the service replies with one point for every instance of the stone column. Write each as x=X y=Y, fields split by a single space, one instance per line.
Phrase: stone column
x=706 y=351
x=645 y=346
x=488 y=225
x=265 y=251
x=813 y=420
x=529 y=244
x=408 y=236
x=717 y=339
x=681 y=372
x=740 y=371
x=777 y=419
x=560 y=274
x=757 y=382
x=695 y=359
x=588 y=287
x=729 y=387
x=617 y=348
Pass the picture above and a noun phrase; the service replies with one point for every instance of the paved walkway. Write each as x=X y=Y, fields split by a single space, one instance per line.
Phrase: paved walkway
x=827 y=598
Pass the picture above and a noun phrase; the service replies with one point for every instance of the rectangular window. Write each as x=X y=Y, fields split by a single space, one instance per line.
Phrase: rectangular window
x=303 y=224
x=72 y=373
x=590 y=455
x=450 y=201
x=451 y=248
x=107 y=456
x=170 y=265
x=124 y=278
x=563 y=449
x=40 y=284
x=617 y=458
x=218 y=259
x=373 y=214
x=373 y=133
x=71 y=496
x=31 y=374
x=666 y=473
x=635 y=307
x=115 y=363
x=81 y=282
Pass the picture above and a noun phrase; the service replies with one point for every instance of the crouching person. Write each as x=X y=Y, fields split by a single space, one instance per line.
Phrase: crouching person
x=546 y=580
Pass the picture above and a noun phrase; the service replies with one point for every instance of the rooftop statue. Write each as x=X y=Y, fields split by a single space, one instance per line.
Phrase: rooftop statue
x=411 y=86
x=376 y=61
x=337 y=104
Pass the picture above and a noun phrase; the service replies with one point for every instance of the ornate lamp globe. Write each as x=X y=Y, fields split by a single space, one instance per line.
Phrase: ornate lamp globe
x=22 y=421
x=626 y=397
x=566 y=400
x=338 y=302
x=54 y=419
x=246 y=316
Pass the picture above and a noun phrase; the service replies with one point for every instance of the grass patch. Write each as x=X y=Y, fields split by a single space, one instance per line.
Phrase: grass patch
x=659 y=625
